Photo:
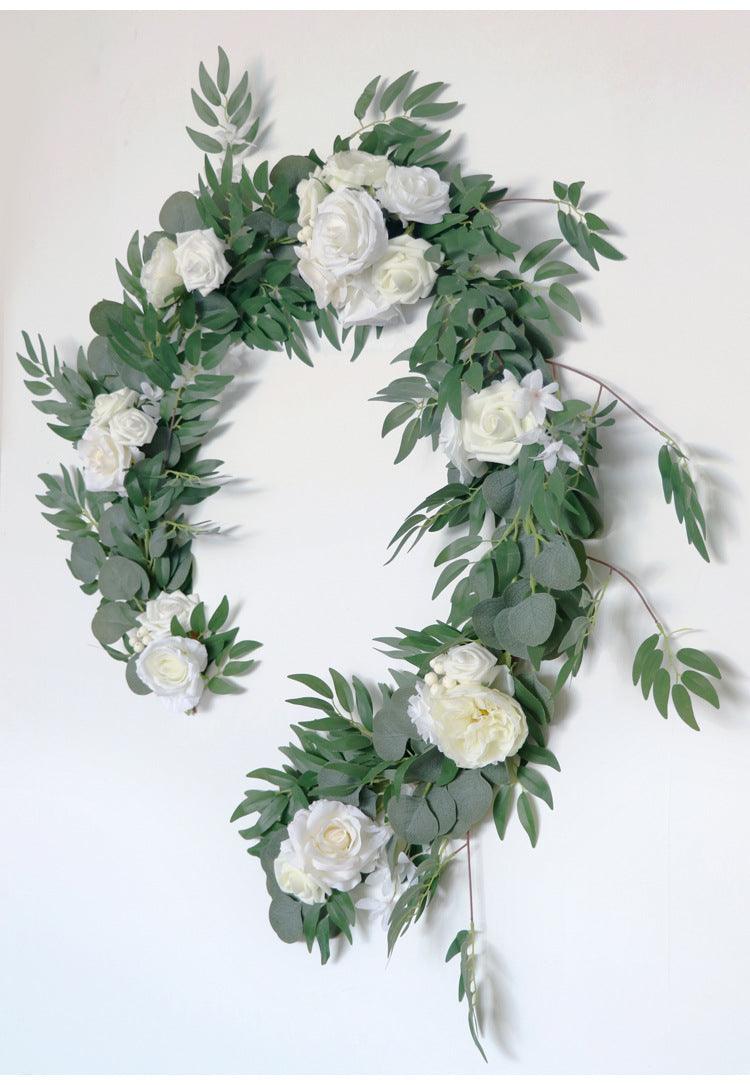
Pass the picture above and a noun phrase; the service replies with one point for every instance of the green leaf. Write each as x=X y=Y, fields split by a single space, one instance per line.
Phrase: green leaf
x=365 y=99
x=556 y=566
x=391 y=93
x=527 y=817
x=502 y=807
x=180 y=214
x=222 y=72
x=219 y=616
x=285 y=916
x=111 y=622
x=473 y=798
x=204 y=111
x=563 y=297
x=86 y=558
x=198 y=618
x=699 y=661
x=314 y=683
x=205 y=143
x=421 y=94
x=644 y=651
x=529 y=623
x=121 y=578
x=412 y=819
x=682 y=702
x=700 y=686
x=662 y=683
x=208 y=86
x=533 y=256
x=534 y=782
x=552 y=269
x=609 y=252
x=455 y=947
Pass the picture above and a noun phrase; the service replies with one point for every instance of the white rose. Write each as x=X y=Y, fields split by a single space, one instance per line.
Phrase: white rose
x=156 y=620
x=107 y=405
x=349 y=232
x=132 y=427
x=354 y=169
x=172 y=667
x=104 y=461
x=200 y=261
x=310 y=192
x=491 y=426
x=403 y=276
x=159 y=276
x=470 y=723
x=382 y=889
x=292 y=876
x=452 y=447
x=336 y=843
x=415 y=193
x=364 y=304
x=328 y=288
x=467 y=663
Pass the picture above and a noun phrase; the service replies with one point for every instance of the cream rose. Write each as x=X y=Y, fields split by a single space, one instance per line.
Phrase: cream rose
x=159 y=276
x=491 y=424
x=107 y=405
x=466 y=663
x=293 y=878
x=452 y=447
x=470 y=723
x=103 y=461
x=354 y=169
x=415 y=193
x=156 y=620
x=328 y=288
x=403 y=276
x=132 y=427
x=349 y=233
x=336 y=843
x=310 y=192
x=200 y=261
x=172 y=667
x=364 y=304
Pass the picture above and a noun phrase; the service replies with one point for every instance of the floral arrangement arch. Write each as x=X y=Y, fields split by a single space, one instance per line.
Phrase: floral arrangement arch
x=381 y=787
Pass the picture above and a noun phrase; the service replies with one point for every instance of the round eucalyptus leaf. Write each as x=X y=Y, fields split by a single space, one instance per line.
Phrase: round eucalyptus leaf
x=121 y=578
x=413 y=819
x=285 y=916
x=556 y=566
x=133 y=680
x=528 y=623
x=180 y=213
x=111 y=621
x=473 y=798
x=86 y=558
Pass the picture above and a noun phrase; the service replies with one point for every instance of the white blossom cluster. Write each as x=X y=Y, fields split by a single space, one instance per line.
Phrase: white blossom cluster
x=346 y=254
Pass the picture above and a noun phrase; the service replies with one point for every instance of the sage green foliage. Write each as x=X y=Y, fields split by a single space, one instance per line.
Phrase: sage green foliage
x=525 y=588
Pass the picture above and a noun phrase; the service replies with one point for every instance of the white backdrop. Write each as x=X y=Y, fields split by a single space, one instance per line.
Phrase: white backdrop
x=134 y=934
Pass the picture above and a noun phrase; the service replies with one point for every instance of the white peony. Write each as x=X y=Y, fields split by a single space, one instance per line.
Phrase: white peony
x=103 y=461
x=108 y=404
x=470 y=723
x=310 y=192
x=335 y=843
x=354 y=169
x=200 y=261
x=382 y=889
x=156 y=620
x=403 y=275
x=173 y=668
x=293 y=877
x=466 y=663
x=132 y=427
x=159 y=275
x=328 y=288
x=415 y=193
x=491 y=426
x=349 y=233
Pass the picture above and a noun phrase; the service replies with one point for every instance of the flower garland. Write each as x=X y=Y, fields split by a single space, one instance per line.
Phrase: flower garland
x=381 y=790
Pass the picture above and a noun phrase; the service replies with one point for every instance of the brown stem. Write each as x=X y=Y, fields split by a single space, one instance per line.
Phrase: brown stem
x=618 y=397
x=634 y=586
x=471 y=888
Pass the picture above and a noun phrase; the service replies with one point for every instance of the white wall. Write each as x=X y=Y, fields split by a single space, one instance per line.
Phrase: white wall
x=134 y=934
